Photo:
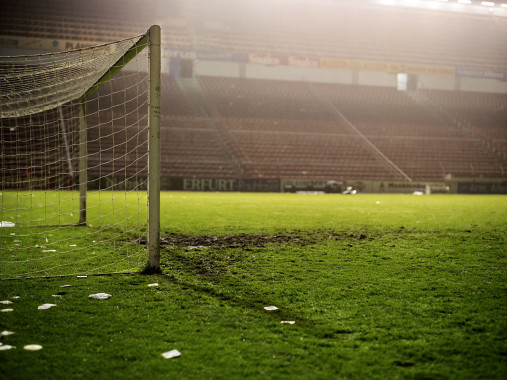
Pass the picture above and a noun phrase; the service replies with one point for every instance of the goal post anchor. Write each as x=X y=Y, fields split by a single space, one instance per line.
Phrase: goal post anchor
x=154 y=149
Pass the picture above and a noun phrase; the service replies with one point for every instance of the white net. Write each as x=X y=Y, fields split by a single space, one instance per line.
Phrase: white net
x=67 y=118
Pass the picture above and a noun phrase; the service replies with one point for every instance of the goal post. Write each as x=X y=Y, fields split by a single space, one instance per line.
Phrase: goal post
x=80 y=160
x=154 y=149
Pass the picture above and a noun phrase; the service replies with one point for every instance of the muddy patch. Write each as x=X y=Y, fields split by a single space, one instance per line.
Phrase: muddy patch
x=234 y=241
x=248 y=240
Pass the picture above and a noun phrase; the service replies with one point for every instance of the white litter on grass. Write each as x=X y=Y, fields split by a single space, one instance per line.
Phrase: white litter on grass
x=15 y=297
x=270 y=308
x=171 y=354
x=6 y=310
x=154 y=284
x=48 y=250
x=6 y=333
x=100 y=296
x=46 y=306
x=6 y=224
x=6 y=347
x=5 y=302
x=56 y=295
x=33 y=347
x=82 y=276
x=288 y=322
x=65 y=286
x=73 y=245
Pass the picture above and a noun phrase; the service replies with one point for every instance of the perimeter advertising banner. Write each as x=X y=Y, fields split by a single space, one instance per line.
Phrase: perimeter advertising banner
x=387 y=67
x=224 y=184
x=282 y=60
x=45 y=44
x=482 y=188
x=481 y=73
x=206 y=55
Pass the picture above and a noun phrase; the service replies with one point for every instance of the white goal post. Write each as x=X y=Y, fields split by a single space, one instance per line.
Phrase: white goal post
x=80 y=160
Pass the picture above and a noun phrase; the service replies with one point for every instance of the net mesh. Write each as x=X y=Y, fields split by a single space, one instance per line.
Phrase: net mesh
x=44 y=136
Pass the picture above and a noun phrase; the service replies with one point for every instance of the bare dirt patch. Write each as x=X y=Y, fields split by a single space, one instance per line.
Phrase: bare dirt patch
x=248 y=240
x=234 y=241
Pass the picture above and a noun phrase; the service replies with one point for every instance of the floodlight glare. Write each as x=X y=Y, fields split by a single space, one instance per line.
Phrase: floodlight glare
x=488 y=3
x=465 y=1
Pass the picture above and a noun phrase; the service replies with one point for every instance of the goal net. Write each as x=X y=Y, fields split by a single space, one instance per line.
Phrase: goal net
x=79 y=162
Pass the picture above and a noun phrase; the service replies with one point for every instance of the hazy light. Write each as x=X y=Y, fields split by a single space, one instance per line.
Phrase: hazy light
x=433 y=4
x=488 y=3
x=504 y=5
x=465 y=1
x=411 y=3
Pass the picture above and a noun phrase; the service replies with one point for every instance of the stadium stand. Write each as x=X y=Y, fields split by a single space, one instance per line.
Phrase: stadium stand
x=217 y=127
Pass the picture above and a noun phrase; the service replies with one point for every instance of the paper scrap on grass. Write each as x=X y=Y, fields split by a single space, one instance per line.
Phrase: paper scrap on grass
x=3 y=223
x=65 y=286
x=46 y=306
x=154 y=284
x=100 y=296
x=6 y=310
x=6 y=333
x=5 y=347
x=288 y=322
x=171 y=354
x=33 y=347
x=5 y=302
x=82 y=276
x=270 y=308
x=15 y=297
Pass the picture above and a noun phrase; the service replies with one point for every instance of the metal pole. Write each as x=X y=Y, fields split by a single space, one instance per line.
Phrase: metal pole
x=66 y=143
x=83 y=164
x=154 y=150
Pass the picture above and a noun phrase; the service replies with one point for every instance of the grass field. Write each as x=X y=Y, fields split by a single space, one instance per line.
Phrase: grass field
x=379 y=287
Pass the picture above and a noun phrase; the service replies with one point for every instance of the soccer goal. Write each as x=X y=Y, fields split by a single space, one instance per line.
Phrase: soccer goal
x=80 y=160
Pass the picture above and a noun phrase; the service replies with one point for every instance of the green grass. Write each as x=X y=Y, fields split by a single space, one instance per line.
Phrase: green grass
x=380 y=287
x=47 y=241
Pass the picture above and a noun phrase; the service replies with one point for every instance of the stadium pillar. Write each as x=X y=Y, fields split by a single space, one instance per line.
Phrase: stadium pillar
x=154 y=151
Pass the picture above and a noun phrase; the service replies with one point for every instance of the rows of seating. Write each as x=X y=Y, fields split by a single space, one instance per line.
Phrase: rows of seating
x=481 y=114
x=37 y=152
x=276 y=129
x=393 y=34
x=419 y=142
